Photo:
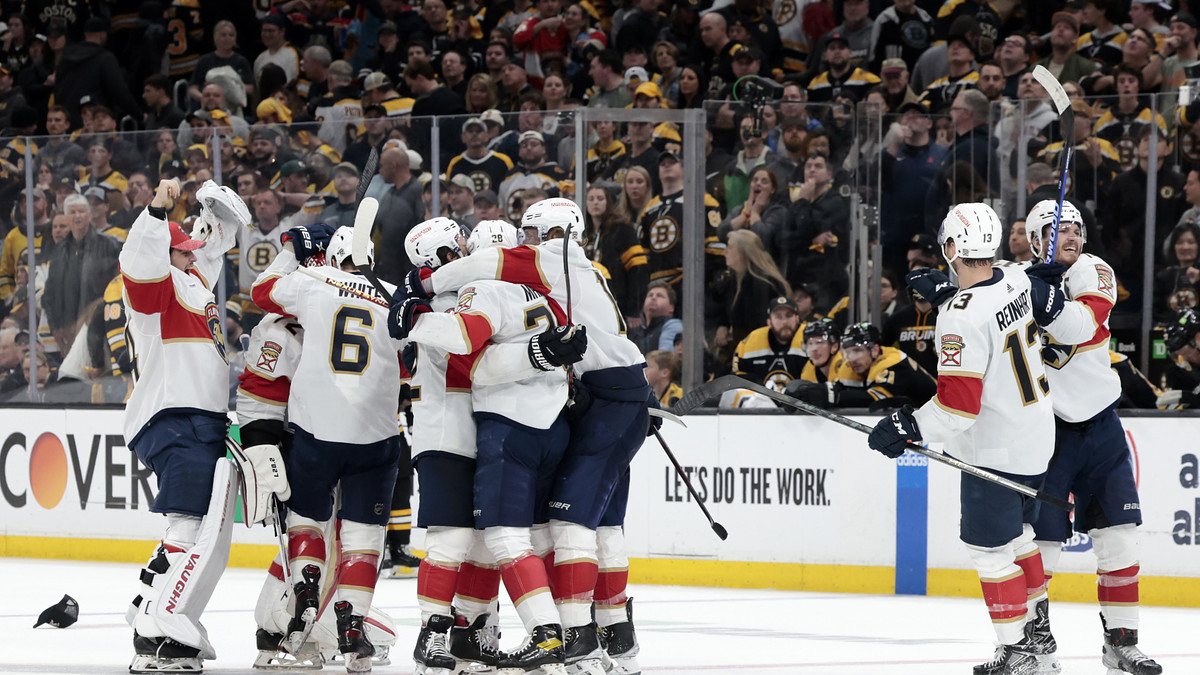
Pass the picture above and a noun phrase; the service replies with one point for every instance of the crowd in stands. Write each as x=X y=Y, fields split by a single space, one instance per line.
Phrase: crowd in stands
x=814 y=108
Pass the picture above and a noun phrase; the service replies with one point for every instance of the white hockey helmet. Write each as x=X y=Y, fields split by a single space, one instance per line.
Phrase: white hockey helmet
x=1042 y=215
x=493 y=234
x=555 y=212
x=429 y=237
x=341 y=248
x=975 y=229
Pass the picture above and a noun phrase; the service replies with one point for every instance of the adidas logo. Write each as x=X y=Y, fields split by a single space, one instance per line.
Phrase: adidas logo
x=1010 y=288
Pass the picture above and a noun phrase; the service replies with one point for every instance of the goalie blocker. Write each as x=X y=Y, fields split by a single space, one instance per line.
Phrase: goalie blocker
x=262 y=474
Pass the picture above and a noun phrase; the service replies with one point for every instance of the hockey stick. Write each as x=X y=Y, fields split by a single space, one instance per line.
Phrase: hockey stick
x=364 y=221
x=696 y=397
x=567 y=279
x=663 y=414
x=308 y=271
x=1066 y=124
x=716 y=527
x=368 y=172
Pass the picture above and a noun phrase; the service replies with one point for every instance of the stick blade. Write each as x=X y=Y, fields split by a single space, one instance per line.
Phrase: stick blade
x=720 y=530
x=364 y=222
x=1058 y=95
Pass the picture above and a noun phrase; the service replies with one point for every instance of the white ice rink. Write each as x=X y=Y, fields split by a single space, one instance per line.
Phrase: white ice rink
x=681 y=630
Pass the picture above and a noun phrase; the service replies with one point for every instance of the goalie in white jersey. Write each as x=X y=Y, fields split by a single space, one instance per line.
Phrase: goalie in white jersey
x=991 y=410
x=1074 y=295
x=175 y=420
x=343 y=416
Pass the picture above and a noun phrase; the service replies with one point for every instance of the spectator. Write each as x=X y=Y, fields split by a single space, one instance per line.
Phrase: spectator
x=666 y=62
x=896 y=91
x=58 y=391
x=607 y=75
x=258 y=244
x=1181 y=54
x=718 y=52
x=1018 y=243
x=810 y=248
x=841 y=75
x=1065 y=62
x=225 y=41
x=98 y=213
x=278 y=52
x=487 y=206
x=378 y=90
x=1121 y=124
x=264 y=146
x=315 y=69
x=88 y=69
x=1094 y=162
x=659 y=325
x=661 y=368
x=661 y=226
x=496 y=57
x=11 y=97
x=80 y=267
x=636 y=192
x=889 y=377
x=399 y=209
x=542 y=40
x=11 y=354
x=774 y=354
x=765 y=211
x=911 y=328
x=991 y=82
x=940 y=93
x=911 y=162
x=534 y=170
x=693 y=88
x=15 y=243
x=100 y=172
x=754 y=153
x=433 y=99
x=932 y=64
x=972 y=144
x=486 y=168
x=1123 y=227
x=856 y=31
x=605 y=156
x=640 y=153
x=902 y=32
x=389 y=56
x=611 y=241
x=376 y=126
x=1013 y=59
x=162 y=113
x=481 y=93
x=1177 y=287
x=514 y=85
x=1104 y=44
x=454 y=69
x=460 y=192
x=788 y=166
x=37 y=78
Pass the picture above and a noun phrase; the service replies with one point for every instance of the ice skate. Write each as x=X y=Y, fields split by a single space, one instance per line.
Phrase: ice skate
x=620 y=643
x=475 y=647
x=1121 y=654
x=404 y=564
x=1011 y=660
x=161 y=654
x=356 y=649
x=272 y=655
x=1041 y=641
x=430 y=654
x=543 y=651
x=583 y=652
x=308 y=603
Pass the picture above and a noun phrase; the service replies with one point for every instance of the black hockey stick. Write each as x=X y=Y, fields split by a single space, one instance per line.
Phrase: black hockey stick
x=696 y=397
x=716 y=527
x=1066 y=125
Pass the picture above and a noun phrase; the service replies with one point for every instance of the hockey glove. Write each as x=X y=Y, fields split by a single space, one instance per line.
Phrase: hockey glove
x=655 y=422
x=892 y=433
x=1048 y=300
x=308 y=240
x=414 y=283
x=553 y=349
x=931 y=284
x=819 y=394
x=403 y=315
x=408 y=359
x=1051 y=273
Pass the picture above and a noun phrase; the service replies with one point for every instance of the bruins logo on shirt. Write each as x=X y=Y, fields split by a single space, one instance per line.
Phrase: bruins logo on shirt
x=1184 y=298
x=777 y=380
x=260 y=255
x=514 y=205
x=785 y=11
x=481 y=179
x=664 y=233
x=914 y=34
x=213 y=318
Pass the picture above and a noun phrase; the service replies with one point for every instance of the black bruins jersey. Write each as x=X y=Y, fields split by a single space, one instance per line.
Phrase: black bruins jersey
x=487 y=172
x=661 y=226
x=892 y=375
x=761 y=358
x=913 y=331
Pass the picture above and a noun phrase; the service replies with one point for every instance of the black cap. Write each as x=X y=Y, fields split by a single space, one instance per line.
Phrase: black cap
x=488 y=196
x=925 y=242
x=1184 y=17
x=1181 y=331
x=61 y=614
x=173 y=165
x=95 y=24
x=88 y=99
x=781 y=301
x=22 y=117
x=837 y=37
x=913 y=105
x=669 y=153
x=388 y=27
x=276 y=20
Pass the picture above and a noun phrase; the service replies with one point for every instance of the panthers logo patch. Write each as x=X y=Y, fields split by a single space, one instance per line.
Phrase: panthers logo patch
x=1105 y=279
x=213 y=317
x=269 y=357
x=951 y=351
x=465 y=297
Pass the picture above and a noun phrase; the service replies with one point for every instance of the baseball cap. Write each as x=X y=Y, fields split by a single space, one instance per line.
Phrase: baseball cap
x=536 y=135
x=387 y=27
x=1082 y=107
x=837 y=37
x=66 y=181
x=781 y=301
x=62 y=613
x=1161 y=3
x=95 y=192
x=648 y=89
x=492 y=116
x=346 y=167
x=375 y=81
x=199 y=115
x=925 y=242
x=1182 y=17
x=181 y=241
x=746 y=52
x=341 y=68
x=233 y=308
x=961 y=37
x=174 y=166
x=84 y=101
x=636 y=73
x=276 y=20
x=375 y=107
x=463 y=181
x=912 y=105
x=293 y=167
x=198 y=147
x=488 y=196
x=893 y=66
x=669 y=153
x=474 y=121
x=1060 y=17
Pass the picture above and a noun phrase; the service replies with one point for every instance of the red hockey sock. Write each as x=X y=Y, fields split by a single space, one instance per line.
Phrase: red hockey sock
x=524 y=576
x=1119 y=587
x=610 y=588
x=1005 y=597
x=436 y=583
x=1036 y=579
x=480 y=584
x=574 y=581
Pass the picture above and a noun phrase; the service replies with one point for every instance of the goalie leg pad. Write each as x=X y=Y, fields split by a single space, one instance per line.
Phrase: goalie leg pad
x=182 y=592
x=358 y=568
x=263 y=474
x=271 y=610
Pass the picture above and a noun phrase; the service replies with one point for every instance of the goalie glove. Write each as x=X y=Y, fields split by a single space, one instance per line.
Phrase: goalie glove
x=263 y=475
x=222 y=214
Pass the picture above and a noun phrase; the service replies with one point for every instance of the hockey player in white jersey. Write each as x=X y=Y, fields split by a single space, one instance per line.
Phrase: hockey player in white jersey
x=991 y=410
x=1073 y=296
x=521 y=433
x=608 y=425
x=175 y=419
x=341 y=433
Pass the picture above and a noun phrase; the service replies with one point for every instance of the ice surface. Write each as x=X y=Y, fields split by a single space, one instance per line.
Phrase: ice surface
x=681 y=630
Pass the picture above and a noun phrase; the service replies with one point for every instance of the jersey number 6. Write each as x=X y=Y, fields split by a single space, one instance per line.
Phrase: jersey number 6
x=350 y=352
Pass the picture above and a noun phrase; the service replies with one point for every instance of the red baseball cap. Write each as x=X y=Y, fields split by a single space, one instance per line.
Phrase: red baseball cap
x=181 y=241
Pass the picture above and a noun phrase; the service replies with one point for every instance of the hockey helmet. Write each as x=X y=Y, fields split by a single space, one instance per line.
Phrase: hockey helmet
x=425 y=243
x=493 y=234
x=341 y=248
x=1180 y=332
x=556 y=212
x=975 y=229
x=1042 y=215
x=861 y=335
x=821 y=328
